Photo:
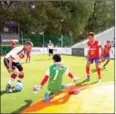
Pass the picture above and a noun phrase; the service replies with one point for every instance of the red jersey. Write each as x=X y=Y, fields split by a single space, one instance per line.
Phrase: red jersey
x=93 y=49
x=107 y=49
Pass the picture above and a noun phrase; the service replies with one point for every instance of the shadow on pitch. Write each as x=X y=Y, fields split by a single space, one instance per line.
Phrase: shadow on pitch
x=43 y=59
x=94 y=70
x=5 y=92
x=82 y=83
x=59 y=99
x=27 y=104
x=36 y=61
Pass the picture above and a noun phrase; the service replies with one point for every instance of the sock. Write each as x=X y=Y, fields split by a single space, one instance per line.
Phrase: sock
x=20 y=77
x=29 y=58
x=88 y=71
x=12 y=78
x=26 y=59
x=99 y=73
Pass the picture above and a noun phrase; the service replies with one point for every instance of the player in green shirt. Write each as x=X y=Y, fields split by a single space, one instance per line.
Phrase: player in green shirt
x=54 y=76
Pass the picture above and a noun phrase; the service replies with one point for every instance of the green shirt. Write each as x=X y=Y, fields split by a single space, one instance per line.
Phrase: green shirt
x=55 y=73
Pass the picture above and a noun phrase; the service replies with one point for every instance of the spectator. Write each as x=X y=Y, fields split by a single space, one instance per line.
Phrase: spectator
x=13 y=45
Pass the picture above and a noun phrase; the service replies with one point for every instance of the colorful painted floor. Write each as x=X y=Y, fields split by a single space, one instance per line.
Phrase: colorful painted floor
x=99 y=99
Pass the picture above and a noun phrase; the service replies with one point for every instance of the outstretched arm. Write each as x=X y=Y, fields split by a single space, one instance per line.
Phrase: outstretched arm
x=45 y=79
x=43 y=82
x=70 y=75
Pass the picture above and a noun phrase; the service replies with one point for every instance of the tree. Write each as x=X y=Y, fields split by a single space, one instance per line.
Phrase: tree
x=59 y=17
x=102 y=16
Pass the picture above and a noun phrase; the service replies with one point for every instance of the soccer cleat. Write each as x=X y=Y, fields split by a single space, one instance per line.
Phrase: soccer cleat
x=87 y=79
x=99 y=80
x=8 y=88
x=47 y=97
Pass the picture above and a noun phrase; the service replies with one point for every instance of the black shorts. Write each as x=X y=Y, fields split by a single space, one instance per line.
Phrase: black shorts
x=50 y=51
x=14 y=65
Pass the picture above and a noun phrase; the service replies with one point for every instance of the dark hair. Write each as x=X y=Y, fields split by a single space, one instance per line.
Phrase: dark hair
x=29 y=43
x=57 y=58
x=90 y=34
x=108 y=41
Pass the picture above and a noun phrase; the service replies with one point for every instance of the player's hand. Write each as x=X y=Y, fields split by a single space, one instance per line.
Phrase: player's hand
x=102 y=58
x=37 y=88
x=10 y=70
x=75 y=79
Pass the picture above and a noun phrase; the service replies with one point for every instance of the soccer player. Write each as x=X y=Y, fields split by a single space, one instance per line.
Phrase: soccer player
x=50 y=48
x=106 y=53
x=11 y=61
x=93 y=55
x=55 y=75
x=28 y=56
x=13 y=45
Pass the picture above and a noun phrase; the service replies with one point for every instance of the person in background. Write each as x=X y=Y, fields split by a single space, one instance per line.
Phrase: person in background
x=13 y=45
x=28 y=53
x=50 y=48
x=106 y=53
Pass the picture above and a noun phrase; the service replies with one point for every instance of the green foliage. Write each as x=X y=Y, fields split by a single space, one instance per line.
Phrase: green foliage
x=102 y=16
x=59 y=17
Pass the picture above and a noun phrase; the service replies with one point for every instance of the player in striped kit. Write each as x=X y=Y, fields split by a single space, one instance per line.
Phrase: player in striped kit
x=11 y=62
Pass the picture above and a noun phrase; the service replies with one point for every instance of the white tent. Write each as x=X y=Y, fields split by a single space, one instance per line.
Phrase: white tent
x=102 y=37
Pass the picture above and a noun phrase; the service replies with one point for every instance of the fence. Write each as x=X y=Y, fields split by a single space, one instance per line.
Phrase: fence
x=42 y=40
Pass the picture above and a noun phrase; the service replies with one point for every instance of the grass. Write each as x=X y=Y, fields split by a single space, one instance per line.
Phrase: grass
x=34 y=72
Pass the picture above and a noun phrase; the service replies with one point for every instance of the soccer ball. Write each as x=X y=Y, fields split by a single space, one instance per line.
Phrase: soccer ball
x=19 y=86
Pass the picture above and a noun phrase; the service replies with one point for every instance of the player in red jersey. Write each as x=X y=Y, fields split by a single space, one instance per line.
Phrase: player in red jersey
x=106 y=53
x=93 y=55
x=11 y=62
x=13 y=45
x=28 y=54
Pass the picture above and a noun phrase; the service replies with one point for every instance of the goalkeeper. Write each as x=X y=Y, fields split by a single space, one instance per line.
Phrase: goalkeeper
x=55 y=76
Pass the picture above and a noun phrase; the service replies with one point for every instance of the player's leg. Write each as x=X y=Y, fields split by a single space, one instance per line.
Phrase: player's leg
x=88 y=69
x=29 y=58
x=52 y=52
x=102 y=59
x=107 y=61
x=11 y=79
x=21 y=73
x=97 y=63
x=49 y=52
x=12 y=76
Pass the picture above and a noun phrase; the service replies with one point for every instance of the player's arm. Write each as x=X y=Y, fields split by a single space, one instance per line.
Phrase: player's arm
x=87 y=51
x=43 y=82
x=70 y=75
x=102 y=49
